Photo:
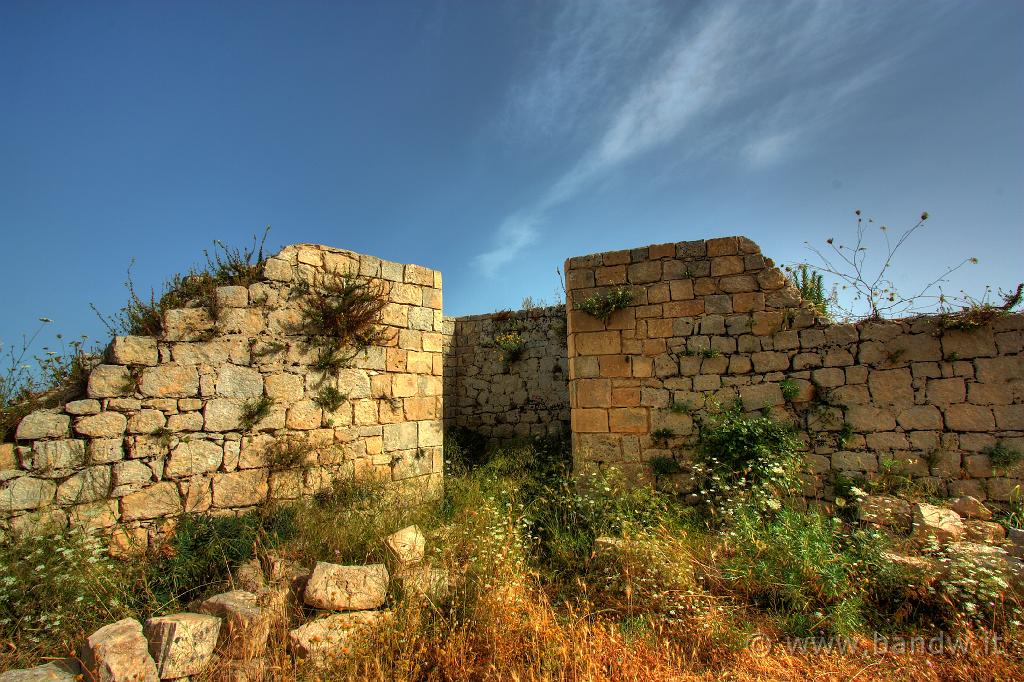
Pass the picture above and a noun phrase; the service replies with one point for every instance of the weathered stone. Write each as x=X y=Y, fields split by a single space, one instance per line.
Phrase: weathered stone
x=56 y=671
x=106 y=450
x=182 y=644
x=110 y=381
x=328 y=636
x=25 y=492
x=401 y=436
x=157 y=501
x=119 y=653
x=347 y=588
x=222 y=414
x=407 y=545
x=194 y=457
x=88 y=485
x=983 y=531
x=146 y=421
x=240 y=489
x=133 y=350
x=102 y=425
x=424 y=582
x=170 y=381
x=885 y=511
x=285 y=388
x=82 y=407
x=970 y=508
x=936 y=524
x=43 y=424
x=50 y=456
x=239 y=382
x=245 y=626
x=304 y=415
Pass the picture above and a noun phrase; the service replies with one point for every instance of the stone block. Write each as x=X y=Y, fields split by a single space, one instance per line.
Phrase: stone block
x=628 y=420
x=170 y=381
x=157 y=501
x=182 y=645
x=55 y=671
x=89 y=485
x=239 y=382
x=245 y=625
x=891 y=387
x=24 y=493
x=43 y=424
x=407 y=546
x=969 y=418
x=347 y=588
x=50 y=456
x=146 y=421
x=932 y=523
x=598 y=343
x=970 y=507
x=327 y=637
x=133 y=350
x=887 y=511
x=223 y=414
x=401 y=436
x=119 y=653
x=240 y=489
x=192 y=457
x=760 y=396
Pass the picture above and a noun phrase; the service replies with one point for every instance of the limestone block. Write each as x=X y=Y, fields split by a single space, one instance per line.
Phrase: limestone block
x=278 y=270
x=119 y=653
x=239 y=382
x=182 y=644
x=983 y=531
x=407 y=546
x=347 y=588
x=760 y=396
x=43 y=424
x=885 y=511
x=146 y=421
x=431 y=434
x=194 y=457
x=157 y=501
x=284 y=388
x=936 y=523
x=402 y=436
x=130 y=475
x=88 y=485
x=133 y=350
x=56 y=455
x=245 y=624
x=425 y=582
x=240 y=488
x=25 y=492
x=110 y=381
x=304 y=415
x=354 y=382
x=328 y=636
x=186 y=421
x=222 y=414
x=969 y=418
x=170 y=380
x=106 y=450
x=970 y=507
x=82 y=407
x=232 y=297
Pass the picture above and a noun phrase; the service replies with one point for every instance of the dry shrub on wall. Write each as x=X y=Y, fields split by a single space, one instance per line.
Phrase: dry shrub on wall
x=343 y=316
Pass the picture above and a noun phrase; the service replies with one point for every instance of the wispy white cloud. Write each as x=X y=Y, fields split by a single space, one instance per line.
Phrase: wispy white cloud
x=515 y=234
x=748 y=80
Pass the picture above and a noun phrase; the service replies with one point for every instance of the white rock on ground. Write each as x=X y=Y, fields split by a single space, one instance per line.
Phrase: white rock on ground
x=347 y=588
x=182 y=644
x=119 y=653
x=328 y=636
x=937 y=523
x=407 y=545
x=246 y=626
x=63 y=671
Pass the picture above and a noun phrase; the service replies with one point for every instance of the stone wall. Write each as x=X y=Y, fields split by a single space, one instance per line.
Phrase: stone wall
x=159 y=430
x=715 y=321
x=508 y=400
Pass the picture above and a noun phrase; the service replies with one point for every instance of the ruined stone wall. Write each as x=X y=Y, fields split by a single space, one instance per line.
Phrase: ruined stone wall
x=713 y=321
x=501 y=400
x=159 y=430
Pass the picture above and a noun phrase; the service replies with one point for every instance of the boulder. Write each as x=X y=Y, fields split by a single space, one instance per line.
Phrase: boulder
x=347 y=588
x=983 y=531
x=328 y=636
x=424 y=582
x=245 y=627
x=57 y=671
x=936 y=524
x=182 y=644
x=884 y=510
x=970 y=507
x=118 y=653
x=407 y=546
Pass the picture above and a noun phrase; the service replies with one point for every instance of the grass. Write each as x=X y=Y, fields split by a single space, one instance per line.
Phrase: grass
x=254 y=411
x=676 y=597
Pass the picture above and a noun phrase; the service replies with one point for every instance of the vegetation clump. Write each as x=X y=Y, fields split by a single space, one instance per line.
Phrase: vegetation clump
x=225 y=266
x=343 y=314
x=602 y=306
x=254 y=411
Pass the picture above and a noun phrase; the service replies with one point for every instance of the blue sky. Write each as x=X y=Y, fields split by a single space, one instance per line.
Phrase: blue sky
x=491 y=140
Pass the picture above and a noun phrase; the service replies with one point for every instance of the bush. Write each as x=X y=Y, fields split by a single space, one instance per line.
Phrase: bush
x=746 y=461
x=602 y=306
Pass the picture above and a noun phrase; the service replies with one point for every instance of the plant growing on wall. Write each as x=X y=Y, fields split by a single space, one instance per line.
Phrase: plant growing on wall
x=254 y=411
x=511 y=345
x=225 y=266
x=602 y=306
x=343 y=317
x=812 y=287
x=866 y=289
